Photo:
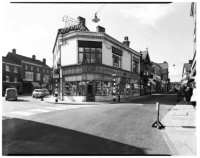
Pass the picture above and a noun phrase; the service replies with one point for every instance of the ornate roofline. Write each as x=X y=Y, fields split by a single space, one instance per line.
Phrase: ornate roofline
x=97 y=35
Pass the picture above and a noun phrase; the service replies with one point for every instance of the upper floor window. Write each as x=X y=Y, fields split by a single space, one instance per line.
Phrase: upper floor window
x=15 y=69
x=29 y=76
x=15 y=79
x=43 y=70
x=134 y=66
x=89 y=52
x=38 y=76
x=7 y=78
x=38 y=69
x=31 y=68
x=117 y=57
x=117 y=60
x=47 y=71
x=7 y=68
x=26 y=67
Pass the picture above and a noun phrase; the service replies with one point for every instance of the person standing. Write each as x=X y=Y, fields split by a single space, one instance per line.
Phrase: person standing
x=188 y=93
x=193 y=98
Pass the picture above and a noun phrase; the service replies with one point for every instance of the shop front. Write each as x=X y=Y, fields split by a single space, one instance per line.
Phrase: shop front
x=83 y=83
x=17 y=85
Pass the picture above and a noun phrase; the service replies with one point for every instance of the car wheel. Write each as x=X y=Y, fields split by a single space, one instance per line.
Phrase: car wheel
x=16 y=99
x=6 y=99
x=33 y=96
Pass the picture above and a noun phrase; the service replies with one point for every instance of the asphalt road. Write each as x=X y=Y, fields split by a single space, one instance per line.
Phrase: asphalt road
x=104 y=129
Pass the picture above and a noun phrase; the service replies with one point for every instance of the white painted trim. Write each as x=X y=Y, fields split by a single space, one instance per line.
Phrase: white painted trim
x=11 y=64
x=11 y=82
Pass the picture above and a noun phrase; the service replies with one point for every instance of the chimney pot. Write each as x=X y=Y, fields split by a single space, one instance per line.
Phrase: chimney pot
x=14 y=51
x=100 y=29
x=33 y=57
x=126 y=41
x=81 y=20
x=44 y=60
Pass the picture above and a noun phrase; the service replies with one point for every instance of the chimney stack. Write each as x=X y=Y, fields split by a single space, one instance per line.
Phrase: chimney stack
x=126 y=41
x=44 y=61
x=14 y=51
x=100 y=29
x=33 y=57
x=81 y=20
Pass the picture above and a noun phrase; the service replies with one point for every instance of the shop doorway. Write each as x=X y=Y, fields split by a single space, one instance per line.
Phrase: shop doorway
x=90 y=92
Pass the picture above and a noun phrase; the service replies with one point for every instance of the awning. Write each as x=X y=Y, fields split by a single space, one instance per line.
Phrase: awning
x=152 y=82
x=35 y=84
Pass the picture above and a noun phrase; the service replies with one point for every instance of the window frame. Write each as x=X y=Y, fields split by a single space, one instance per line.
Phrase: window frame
x=86 y=51
x=7 y=68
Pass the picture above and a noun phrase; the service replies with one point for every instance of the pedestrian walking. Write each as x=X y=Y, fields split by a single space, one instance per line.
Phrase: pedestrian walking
x=188 y=93
x=193 y=98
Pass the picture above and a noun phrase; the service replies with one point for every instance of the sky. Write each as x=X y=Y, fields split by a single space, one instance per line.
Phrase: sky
x=165 y=29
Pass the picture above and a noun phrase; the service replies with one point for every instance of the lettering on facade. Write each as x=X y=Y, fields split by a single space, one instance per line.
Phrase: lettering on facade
x=73 y=28
x=90 y=68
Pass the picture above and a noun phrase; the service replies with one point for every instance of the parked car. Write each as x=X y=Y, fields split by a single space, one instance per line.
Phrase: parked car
x=38 y=93
x=11 y=94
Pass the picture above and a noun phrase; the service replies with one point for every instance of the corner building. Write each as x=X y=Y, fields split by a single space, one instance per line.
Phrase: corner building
x=87 y=61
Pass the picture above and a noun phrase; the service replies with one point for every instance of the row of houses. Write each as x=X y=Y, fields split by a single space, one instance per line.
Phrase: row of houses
x=93 y=66
x=25 y=73
x=189 y=69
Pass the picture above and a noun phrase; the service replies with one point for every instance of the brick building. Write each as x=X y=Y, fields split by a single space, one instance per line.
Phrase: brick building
x=11 y=75
x=34 y=73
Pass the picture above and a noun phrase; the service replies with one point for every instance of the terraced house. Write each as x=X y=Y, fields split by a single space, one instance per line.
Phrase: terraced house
x=34 y=73
x=11 y=75
x=87 y=62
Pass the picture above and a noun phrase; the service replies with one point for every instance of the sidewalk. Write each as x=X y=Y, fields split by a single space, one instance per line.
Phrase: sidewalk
x=180 y=129
x=51 y=99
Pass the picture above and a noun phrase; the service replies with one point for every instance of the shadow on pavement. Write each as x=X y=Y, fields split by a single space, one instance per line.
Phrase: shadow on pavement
x=24 y=137
x=22 y=100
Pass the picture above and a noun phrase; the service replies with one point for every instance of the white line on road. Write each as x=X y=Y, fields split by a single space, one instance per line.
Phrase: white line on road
x=40 y=110
x=22 y=113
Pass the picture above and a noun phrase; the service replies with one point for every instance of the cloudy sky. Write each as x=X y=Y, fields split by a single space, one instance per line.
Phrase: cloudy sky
x=165 y=29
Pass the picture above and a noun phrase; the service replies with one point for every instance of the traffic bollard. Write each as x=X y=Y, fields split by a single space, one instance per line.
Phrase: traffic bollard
x=42 y=99
x=158 y=124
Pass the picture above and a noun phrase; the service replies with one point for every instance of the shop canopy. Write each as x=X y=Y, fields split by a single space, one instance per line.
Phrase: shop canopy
x=35 y=84
x=152 y=82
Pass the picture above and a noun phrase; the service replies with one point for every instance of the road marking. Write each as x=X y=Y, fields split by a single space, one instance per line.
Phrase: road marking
x=54 y=108
x=40 y=110
x=22 y=113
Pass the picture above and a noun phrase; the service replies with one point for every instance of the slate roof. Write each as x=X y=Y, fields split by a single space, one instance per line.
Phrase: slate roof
x=7 y=60
x=164 y=65
x=28 y=59
x=144 y=54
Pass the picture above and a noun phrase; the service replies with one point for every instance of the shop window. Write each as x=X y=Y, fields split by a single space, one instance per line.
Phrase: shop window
x=15 y=69
x=74 y=88
x=117 y=60
x=107 y=88
x=99 y=88
x=7 y=78
x=7 y=68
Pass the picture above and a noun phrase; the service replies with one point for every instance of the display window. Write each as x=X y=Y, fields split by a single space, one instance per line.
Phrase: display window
x=74 y=88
